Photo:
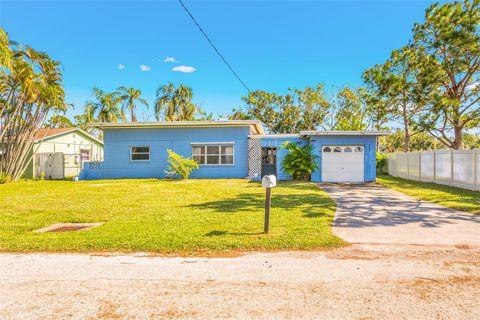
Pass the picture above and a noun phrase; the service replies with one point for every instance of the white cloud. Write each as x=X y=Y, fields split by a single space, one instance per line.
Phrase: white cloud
x=184 y=69
x=121 y=66
x=170 y=59
x=144 y=67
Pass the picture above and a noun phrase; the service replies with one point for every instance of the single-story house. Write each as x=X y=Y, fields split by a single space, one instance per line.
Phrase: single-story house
x=58 y=153
x=228 y=149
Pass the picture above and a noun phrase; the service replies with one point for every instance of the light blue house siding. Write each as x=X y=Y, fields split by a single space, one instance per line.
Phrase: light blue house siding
x=281 y=152
x=117 y=163
x=369 y=143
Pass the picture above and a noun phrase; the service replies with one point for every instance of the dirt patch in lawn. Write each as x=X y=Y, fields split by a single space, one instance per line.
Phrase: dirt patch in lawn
x=65 y=227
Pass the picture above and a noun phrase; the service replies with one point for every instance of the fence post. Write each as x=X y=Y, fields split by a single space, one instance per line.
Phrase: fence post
x=451 y=168
x=475 y=168
x=398 y=170
x=408 y=165
x=434 y=166
x=420 y=166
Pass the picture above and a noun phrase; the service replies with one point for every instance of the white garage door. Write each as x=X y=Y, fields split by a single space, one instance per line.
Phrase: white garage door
x=342 y=163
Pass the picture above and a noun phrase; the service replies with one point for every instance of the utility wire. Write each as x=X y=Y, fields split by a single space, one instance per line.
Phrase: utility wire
x=213 y=46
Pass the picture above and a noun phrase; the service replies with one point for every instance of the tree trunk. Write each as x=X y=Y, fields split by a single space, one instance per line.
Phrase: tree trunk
x=406 y=146
x=406 y=126
x=132 y=114
x=457 y=143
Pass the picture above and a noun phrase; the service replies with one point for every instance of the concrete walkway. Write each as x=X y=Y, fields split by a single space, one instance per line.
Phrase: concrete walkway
x=368 y=213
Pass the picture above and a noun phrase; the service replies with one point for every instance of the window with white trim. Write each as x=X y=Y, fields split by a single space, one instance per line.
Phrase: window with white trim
x=213 y=154
x=140 y=153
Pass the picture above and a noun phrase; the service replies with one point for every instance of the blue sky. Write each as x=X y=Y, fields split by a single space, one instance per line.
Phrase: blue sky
x=273 y=45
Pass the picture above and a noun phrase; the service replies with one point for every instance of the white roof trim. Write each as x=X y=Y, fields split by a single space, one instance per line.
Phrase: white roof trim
x=277 y=135
x=344 y=133
x=68 y=131
x=256 y=125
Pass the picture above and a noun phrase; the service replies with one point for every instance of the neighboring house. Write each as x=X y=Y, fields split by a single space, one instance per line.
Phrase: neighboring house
x=228 y=149
x=58 y=153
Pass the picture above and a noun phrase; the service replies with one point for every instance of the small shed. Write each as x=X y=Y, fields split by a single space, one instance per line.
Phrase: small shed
x=58 y=153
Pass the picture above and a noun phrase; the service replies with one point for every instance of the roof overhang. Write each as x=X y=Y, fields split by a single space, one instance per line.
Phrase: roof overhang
x=344 y=133
x=255 y=126
x=41 y=139
x=277 y=135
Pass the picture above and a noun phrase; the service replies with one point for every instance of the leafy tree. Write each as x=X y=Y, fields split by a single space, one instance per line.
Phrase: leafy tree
x=105 y=107
x=239 y=114
x=202 y=115
x=30 y=88
x=179 y=166
x=470 y=141
x=300 y=161
x=450 y=77
x=81 y=122
x=350 y=111
x=419 y=142
x=175 y=104
x=130 y=96
x=393 y=91
x=296 y=111
x=278 y=113
x=59 y=121
x=309 y=109
x=314 y=107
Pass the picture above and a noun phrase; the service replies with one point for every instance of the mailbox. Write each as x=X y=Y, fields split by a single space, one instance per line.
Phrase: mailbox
x=269 y=181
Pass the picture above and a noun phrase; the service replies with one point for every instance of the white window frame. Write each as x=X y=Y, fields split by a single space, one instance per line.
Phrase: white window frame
x=139 y=160
x=89 y=154
x=342 y=147
x=205 y=145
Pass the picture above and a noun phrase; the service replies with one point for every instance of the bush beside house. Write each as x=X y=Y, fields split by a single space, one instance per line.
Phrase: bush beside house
x=179 y=166
x=300 y=162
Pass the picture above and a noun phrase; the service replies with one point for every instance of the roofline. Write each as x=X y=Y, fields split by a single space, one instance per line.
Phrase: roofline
x=256 y=126
x=277 y=135
x=68 y=131
x=344 y=133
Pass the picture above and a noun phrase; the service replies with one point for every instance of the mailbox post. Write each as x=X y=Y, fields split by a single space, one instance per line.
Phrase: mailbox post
x=268 y=182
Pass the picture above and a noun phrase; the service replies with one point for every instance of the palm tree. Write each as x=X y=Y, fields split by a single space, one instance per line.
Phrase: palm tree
x=174 y=104
x=30 y=88
x=129 y=96
x=5 y=51
x=106 y=106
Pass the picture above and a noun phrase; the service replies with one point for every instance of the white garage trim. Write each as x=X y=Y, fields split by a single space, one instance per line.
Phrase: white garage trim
x=343 y=163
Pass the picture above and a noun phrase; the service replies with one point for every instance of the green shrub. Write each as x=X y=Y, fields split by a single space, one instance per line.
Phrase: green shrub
x=179 y=166
x=4 y=178
x=300 y=162
x=381 y=163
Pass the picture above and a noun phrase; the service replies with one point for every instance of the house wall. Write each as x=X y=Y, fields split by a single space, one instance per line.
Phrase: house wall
x=281 y=152
x=117 y=163
x=70 y=145
x=369 y=143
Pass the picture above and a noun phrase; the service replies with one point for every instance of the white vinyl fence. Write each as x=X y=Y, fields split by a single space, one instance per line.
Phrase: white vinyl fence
x=459 y=168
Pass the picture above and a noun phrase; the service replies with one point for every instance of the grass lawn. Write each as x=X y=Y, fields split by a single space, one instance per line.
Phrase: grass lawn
x=446 y=196
x=180 y=217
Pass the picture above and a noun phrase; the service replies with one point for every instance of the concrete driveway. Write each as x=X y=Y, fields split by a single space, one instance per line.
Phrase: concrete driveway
x=368 y=213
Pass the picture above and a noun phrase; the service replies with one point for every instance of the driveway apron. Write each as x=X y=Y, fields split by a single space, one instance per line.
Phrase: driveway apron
x=368 y=213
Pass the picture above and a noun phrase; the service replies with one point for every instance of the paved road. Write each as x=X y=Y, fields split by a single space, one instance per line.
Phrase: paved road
x=357 y=282
x=368 y=213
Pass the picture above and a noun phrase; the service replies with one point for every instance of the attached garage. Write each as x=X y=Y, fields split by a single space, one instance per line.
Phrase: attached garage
x=344 y=156
x=343 y=164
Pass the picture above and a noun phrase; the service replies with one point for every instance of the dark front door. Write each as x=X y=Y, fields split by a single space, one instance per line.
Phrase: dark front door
x=269 y=161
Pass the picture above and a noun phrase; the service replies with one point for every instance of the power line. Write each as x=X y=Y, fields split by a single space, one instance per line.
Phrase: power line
x=213 y=46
